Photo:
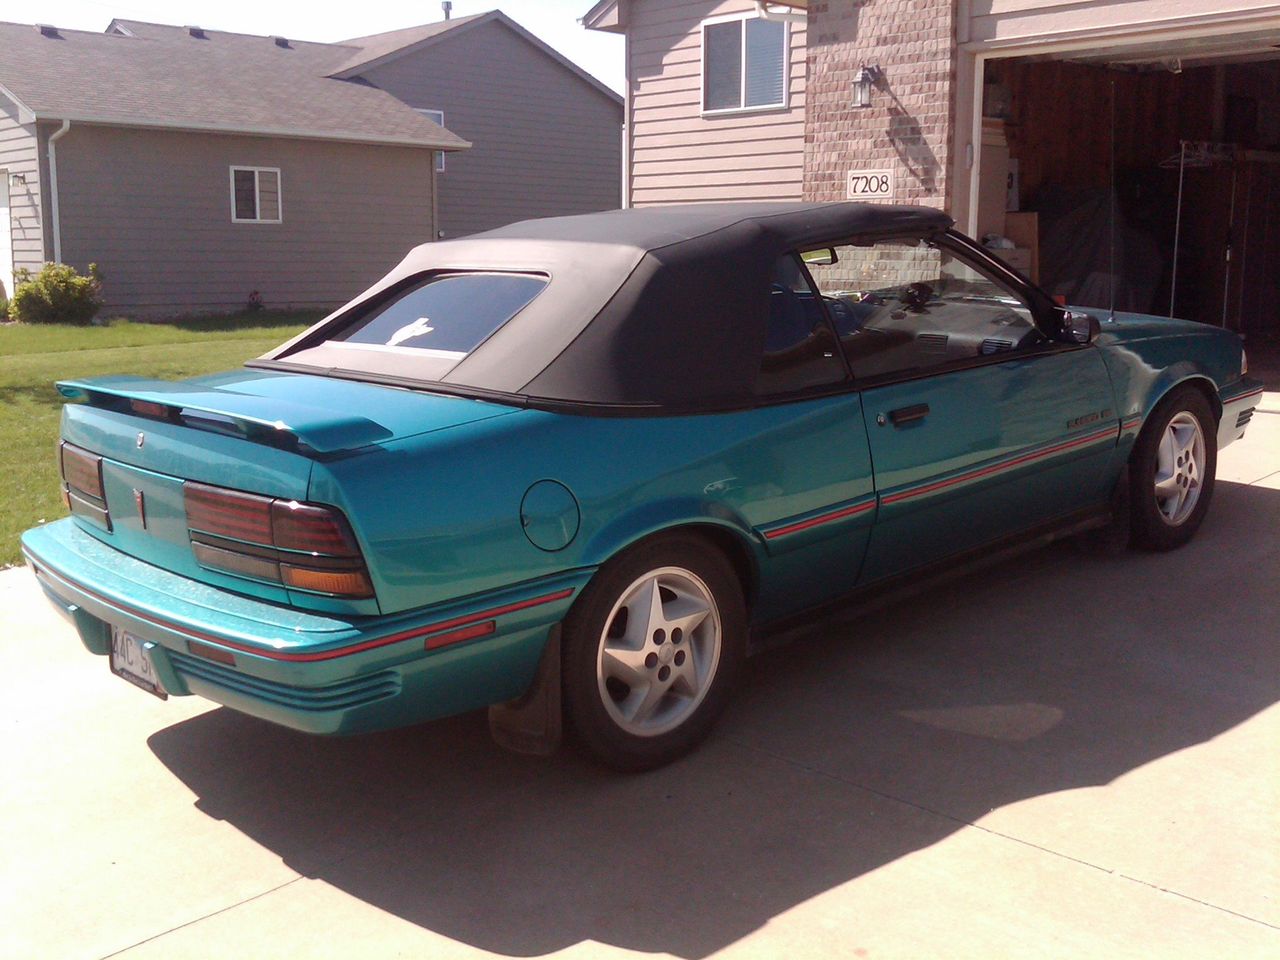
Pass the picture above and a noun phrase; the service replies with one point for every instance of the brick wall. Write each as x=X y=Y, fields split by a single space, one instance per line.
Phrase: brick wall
x=908 y=126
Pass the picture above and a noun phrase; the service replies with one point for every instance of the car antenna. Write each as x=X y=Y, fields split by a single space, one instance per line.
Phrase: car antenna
x=1112 y=201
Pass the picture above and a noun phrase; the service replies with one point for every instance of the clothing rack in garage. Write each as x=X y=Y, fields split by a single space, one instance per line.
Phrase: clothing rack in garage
x=1199 y=153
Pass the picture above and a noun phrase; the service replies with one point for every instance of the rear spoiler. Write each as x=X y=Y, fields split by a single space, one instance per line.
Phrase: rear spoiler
x=276 y=422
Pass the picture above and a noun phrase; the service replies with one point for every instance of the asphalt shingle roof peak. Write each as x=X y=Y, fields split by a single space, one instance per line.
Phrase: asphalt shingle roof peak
x=379 y=46
x=34 y=29
x=361 y=54
x=249 y=86
x=146 y=30
x=406 y=35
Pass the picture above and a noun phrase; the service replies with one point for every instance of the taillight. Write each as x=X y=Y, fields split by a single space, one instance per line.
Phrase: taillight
x=82 y=489
x=302 y=546
x=311 y=529
x=228 y=513
x=82 y=471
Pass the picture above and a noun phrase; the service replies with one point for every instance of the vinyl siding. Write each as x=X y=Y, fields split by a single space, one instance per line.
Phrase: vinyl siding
x=678 y=155
x=19 y=154
x=153 y=210
x=545 y=142
x=1019 y=21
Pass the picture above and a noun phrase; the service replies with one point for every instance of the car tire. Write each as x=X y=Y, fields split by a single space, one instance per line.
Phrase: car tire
x=1171 y=471
x=653 y=648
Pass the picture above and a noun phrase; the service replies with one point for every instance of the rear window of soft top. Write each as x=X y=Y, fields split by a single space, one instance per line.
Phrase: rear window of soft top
x=445 y=316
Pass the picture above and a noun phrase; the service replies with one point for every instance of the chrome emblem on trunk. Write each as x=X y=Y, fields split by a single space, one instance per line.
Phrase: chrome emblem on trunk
x=139 y=500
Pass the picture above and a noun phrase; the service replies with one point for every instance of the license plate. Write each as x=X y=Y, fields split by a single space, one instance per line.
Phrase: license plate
x=129 y=659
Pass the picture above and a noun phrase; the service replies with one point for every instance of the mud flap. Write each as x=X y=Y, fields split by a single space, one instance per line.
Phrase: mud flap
x=532 y=723
x=1113 y=539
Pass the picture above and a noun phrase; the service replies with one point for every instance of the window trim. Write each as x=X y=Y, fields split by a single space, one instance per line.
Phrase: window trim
x=257 y=194
x=816 y=389
x=1046 y=315
x=322 y=336
x=784 y=104
x=430 y=113
x=1038 y=306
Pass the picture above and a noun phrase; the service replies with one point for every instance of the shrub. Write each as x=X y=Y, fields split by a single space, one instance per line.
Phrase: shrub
x=57 y=294
x=4 y=307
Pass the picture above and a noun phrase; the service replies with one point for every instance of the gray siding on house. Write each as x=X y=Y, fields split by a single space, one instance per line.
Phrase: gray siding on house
x=545 y=142
x=153 y=209
x=679 y=155
x=19 y=154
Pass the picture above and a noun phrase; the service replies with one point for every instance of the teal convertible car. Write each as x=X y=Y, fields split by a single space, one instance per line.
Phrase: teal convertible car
x=577 y=467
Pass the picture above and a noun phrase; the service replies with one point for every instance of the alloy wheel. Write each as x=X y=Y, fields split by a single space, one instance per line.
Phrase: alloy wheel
x=1180 y=468
x=659 y=651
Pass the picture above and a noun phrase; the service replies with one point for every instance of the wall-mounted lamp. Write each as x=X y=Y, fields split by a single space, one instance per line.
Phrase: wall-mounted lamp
x=17 y=179
x=866 y=78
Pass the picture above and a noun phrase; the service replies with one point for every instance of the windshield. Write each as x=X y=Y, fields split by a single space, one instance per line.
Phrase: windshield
x=884 y=270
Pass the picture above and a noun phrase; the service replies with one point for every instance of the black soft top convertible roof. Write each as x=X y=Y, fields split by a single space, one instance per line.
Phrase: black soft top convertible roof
x=660 y=307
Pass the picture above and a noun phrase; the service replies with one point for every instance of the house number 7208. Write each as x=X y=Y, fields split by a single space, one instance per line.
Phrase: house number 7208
x=870 y=184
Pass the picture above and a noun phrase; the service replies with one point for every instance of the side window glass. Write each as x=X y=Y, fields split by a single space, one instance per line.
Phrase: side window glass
x=800 y=350
x=906 y=306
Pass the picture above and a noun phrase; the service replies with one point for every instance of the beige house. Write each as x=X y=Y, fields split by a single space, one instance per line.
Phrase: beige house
x=1127 y=149
x=198 y=167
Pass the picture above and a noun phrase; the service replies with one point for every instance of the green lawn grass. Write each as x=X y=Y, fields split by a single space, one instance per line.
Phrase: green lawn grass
x=32 y=357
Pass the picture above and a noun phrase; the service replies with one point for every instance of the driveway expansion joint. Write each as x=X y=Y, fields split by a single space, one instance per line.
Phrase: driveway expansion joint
x=201 y=919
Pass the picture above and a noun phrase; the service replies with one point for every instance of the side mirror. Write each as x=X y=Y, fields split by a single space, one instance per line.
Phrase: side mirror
x=1079 y=327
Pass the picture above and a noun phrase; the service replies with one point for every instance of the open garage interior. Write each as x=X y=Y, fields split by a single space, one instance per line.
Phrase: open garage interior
x=1144 y=177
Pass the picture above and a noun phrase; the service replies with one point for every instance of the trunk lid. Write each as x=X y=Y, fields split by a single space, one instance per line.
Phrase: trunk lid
x=321 y=414
x=252 y=431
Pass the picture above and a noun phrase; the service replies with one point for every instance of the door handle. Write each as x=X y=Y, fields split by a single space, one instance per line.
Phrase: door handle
x=904 y=415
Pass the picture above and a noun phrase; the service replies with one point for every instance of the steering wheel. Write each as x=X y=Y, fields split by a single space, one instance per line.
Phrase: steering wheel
x=914 y=296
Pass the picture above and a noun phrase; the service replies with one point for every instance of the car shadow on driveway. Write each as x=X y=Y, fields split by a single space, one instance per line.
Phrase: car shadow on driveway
x=870 y=739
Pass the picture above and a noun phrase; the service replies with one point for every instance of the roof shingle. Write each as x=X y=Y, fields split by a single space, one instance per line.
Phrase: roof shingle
x=247 y=85
x=365 y=50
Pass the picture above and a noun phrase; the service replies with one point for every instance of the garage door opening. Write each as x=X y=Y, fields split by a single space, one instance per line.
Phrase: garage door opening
x=1145 y=178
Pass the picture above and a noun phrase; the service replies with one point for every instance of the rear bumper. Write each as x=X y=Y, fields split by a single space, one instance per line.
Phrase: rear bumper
x=1238 y=405
x=313 y=672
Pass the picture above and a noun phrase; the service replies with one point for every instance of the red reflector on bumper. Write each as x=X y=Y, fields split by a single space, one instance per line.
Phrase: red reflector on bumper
x=211 y=653
x=457 y=636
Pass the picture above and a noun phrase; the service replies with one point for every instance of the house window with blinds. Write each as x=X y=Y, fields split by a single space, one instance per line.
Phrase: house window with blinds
x=255 y=195
x=744 y=64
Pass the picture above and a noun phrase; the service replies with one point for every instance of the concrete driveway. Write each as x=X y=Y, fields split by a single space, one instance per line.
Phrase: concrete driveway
x=1069 y=755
